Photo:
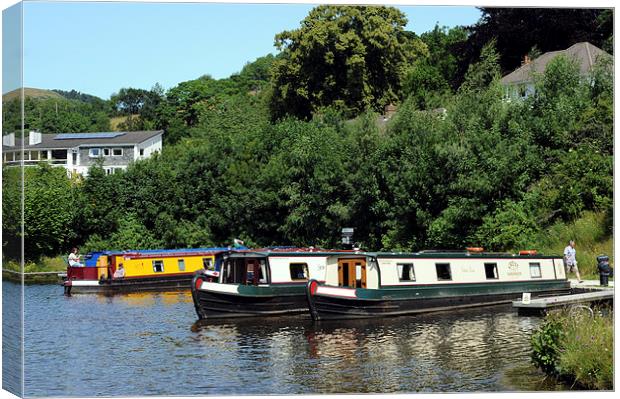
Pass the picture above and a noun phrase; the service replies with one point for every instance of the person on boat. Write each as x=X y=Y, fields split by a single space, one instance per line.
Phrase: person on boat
x=120 y=272
x=74 y=258
x=570 y=260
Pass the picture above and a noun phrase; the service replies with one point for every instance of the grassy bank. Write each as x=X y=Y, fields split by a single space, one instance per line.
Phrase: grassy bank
x=576 y=348
x=45 y=264
x=592 y=238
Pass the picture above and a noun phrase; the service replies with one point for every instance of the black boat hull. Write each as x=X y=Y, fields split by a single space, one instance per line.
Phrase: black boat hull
x=326 y=307
x=212 y=304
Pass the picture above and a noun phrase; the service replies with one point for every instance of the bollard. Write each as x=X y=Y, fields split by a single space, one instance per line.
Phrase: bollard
x=604 y=269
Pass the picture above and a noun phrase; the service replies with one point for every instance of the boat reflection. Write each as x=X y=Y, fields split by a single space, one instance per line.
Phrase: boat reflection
x=146 y=298
x=447 y=351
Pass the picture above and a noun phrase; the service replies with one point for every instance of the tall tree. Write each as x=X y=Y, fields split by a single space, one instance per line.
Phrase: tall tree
x=354 y=58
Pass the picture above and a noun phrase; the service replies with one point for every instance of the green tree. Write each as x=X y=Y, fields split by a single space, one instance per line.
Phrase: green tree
x=50 y=211
x=354 y=58
x=482 y=73
x=432 y=78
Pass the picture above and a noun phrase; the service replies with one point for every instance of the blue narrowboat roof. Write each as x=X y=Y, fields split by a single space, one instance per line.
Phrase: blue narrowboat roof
x=92 y=257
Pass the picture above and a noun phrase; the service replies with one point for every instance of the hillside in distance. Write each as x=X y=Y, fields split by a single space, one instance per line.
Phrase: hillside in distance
x=30 y=92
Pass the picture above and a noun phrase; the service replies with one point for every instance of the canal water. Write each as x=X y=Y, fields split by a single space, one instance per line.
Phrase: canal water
x=152 y=344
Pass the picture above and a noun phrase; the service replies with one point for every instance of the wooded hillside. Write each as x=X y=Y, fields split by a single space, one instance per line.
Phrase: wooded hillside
x=294 y=147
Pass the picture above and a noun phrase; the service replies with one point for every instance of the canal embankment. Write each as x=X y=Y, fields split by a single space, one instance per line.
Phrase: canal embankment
x=43 y=271
x=576 y=347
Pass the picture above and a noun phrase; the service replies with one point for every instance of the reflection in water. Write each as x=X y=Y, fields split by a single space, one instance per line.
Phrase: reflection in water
x=78 y=346
x=460 y=351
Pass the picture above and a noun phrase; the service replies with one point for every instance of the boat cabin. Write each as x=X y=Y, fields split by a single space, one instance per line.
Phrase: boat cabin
x=257 y=268
x=360 y=285
x=377 y=270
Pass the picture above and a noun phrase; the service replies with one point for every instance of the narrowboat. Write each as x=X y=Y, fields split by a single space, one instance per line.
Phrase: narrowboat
x=144 y=270
x=364 y=285
x=254 y=283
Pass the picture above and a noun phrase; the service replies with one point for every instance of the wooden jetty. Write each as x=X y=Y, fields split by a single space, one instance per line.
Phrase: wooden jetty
x=541 y=305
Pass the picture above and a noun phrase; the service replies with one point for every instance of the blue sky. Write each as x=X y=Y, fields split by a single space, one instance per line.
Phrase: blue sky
x=98 y=48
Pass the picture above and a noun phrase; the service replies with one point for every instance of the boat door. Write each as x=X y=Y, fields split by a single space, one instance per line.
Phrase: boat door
x=251 y=272
x=255 y=272
x=352 y=273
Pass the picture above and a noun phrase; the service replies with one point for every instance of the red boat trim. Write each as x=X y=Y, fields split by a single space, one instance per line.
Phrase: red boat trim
x=151 y=276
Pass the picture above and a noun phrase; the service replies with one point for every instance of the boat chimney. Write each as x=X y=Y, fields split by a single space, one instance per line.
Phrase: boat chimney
x=347 y=237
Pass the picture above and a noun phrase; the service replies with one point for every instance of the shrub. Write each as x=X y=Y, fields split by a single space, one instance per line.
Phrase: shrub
x=576 y=348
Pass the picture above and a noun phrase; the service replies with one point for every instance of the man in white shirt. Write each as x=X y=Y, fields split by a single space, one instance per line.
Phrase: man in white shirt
x=120 y=272
x=570 y=260
x=74 y=258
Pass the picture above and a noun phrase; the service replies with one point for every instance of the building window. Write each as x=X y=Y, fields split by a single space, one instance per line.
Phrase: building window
x=181 y=265
x=94 y=152
x=10 y=157
x=43 y=154
x=61 y=155
x=535 y=270
x=207 y=263
x=299 y=271
x=405 y=272
x=490 y=269
x=443 y=271
x=158 y=266
x=106 y=152
x=141 y=152
x=34 y=155
x=117 y=152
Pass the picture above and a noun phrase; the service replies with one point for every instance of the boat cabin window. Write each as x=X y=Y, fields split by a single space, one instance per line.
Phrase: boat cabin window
x=490 y=269
x=207 y=263
x=299 y=271
x=181 y=265
x=244 y=271
x=535 y=270
x=443 y=271
x=158 y=266
x=405 y=272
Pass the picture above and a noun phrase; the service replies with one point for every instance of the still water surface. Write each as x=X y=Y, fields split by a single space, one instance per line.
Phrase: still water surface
x=151 y=344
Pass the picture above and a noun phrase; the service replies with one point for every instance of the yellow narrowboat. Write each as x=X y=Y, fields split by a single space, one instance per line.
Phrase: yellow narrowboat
x=114 y=271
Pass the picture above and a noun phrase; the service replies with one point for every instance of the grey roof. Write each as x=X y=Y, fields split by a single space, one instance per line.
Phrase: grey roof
x=584 y=53
x=48 y=141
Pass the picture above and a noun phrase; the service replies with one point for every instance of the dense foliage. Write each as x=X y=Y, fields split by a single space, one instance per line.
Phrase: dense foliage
x=354 y=58
x=50 y=214
x=55 y=115
x=460 y=163
x=577 y=347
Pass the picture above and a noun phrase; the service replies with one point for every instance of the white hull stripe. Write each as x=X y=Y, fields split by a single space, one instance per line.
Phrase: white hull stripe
x=85 y=283
x=218 y=287
x=345 y=292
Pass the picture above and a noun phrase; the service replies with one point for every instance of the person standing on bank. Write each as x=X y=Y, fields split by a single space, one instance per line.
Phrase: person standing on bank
x=570 y=260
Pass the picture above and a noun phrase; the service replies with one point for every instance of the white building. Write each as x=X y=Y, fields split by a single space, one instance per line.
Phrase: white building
x=520 y=82
x=76 y=152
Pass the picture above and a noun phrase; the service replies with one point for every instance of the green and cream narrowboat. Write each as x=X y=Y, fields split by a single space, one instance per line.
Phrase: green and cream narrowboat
x=260 y=283
x=367 y=284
